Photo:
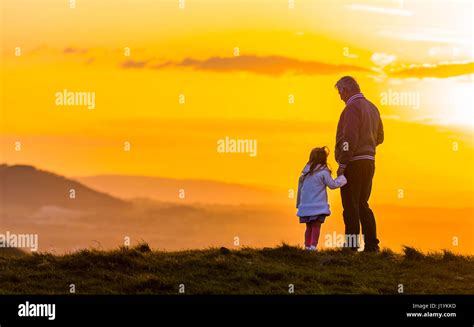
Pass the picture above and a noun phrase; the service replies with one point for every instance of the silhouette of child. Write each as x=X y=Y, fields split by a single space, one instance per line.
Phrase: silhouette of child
x=312 y=198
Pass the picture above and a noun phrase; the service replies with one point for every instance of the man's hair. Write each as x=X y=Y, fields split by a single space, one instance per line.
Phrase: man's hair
x=347 y=83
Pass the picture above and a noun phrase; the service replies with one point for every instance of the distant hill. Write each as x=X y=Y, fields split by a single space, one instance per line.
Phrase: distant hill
x=26 y=187
x=11 y=252
x=195 y=191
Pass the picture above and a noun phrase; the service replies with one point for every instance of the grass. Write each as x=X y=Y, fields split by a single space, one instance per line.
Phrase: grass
x=139 y=270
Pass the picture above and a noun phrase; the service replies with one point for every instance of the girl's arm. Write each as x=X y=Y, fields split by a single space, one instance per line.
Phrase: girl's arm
x=333 y=183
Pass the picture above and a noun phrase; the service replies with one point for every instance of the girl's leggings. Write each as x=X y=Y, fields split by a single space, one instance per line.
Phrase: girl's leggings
x=311 y=235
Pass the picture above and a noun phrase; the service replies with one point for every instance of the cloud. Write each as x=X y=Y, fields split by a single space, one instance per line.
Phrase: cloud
x=72 y=50
x=134 y=64
x=382 y=59
x=266 y=65
x=279 y=65
x=163 y=65
x=381 y=10
x=420 y=36
x=441 y=70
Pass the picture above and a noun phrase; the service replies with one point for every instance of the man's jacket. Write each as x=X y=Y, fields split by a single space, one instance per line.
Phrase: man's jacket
x=359 y=131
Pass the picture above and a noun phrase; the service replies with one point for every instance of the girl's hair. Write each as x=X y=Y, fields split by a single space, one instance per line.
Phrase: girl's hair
x=318 y=156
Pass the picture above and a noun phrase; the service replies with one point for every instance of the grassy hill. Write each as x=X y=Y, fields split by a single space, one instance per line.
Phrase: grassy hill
x=139 y=270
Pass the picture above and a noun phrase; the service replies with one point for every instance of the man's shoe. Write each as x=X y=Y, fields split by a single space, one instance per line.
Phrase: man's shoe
x=373 y=249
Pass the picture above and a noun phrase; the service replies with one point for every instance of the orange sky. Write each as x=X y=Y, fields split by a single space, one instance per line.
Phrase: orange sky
x=418 y=47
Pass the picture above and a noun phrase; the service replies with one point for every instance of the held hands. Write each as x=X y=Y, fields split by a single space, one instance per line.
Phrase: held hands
x=341 y=180
x=340 y=171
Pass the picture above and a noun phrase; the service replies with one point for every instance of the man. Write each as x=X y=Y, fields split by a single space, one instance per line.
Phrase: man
x=359 y=131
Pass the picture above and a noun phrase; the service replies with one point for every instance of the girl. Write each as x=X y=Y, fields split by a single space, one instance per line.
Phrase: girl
x=312 y=199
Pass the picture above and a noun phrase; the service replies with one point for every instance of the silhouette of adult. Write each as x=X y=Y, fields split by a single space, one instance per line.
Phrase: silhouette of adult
x=359 y=131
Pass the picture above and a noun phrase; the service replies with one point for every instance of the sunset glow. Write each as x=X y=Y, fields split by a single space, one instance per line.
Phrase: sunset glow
x=171 y=81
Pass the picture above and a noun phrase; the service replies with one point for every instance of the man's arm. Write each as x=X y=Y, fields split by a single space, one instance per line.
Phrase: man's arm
x=350 y=137
x=380 y=133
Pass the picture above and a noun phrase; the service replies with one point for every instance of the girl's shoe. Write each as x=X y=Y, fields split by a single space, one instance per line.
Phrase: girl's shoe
x=307 y=248
x=312 y=248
